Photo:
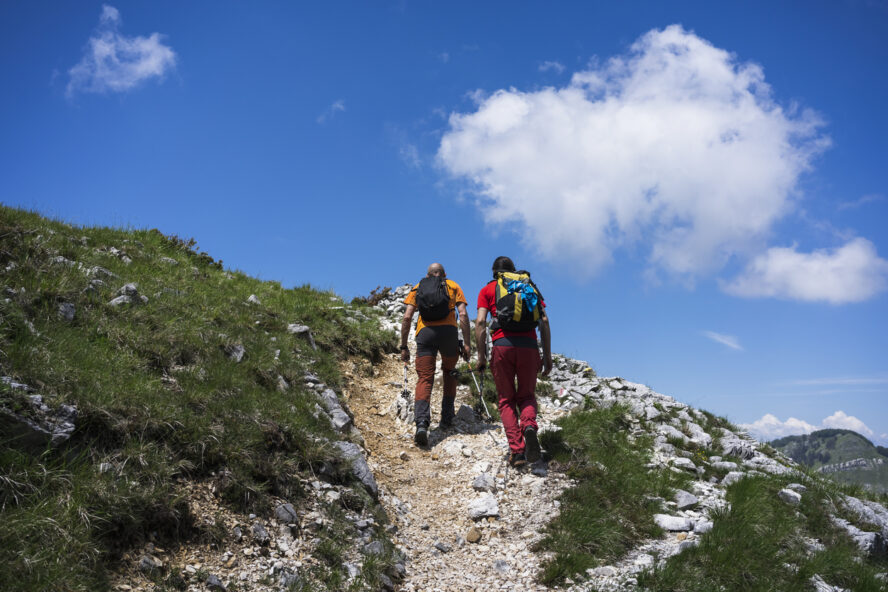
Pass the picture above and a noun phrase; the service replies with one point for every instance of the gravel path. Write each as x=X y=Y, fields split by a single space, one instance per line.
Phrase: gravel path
x=427 y=492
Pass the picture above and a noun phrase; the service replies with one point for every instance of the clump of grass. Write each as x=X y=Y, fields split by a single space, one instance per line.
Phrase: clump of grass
x=767 y=450
x=679 y=443
x=759 y=544
x=377 y=295
x=712 y=421
x=544 y=388
x=612 y=506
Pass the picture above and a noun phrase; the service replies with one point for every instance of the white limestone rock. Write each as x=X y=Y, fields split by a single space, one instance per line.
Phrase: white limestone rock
x=685 y=500
x=699 y=435
x=484 y=482
x=789 y=496
x=702 y=526
x=483 y=506
x=670 y=432
x=683 y=463
x=871 y=543
x=724 y=465
x=732 y=477
x=673 y=523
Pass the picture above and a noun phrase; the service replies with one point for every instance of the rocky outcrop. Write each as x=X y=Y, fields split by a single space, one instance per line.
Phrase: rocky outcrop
x=35 y=426
x=866 y=464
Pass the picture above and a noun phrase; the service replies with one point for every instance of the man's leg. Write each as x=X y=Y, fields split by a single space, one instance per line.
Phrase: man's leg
x=502 y=365
x=529 y=363
x=449 y=343
x=425 y=378
x=426 y=354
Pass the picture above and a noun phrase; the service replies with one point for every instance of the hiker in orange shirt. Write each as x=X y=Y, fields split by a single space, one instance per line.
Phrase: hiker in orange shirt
x=436 y=298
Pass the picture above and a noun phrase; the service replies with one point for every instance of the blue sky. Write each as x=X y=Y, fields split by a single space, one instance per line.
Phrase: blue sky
x=698 y=188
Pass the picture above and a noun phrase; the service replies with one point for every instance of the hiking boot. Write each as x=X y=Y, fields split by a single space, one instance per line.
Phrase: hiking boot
x=531 y=445
x=447 y=413
x=517 y=459
x=422 y=436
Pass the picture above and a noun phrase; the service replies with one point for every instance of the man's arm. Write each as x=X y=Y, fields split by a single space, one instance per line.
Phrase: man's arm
x=466 y=331
x=546 y=337
x=406 y=321
x=481 y=337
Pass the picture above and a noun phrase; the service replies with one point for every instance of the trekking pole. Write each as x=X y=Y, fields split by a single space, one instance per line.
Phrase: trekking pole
x=481 y=394
x=405 y=391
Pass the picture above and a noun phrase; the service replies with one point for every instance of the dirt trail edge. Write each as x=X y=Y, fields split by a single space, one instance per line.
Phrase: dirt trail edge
x=428 y=492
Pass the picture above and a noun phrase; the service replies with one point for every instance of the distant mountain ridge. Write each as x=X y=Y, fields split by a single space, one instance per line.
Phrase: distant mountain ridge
x=844 y=455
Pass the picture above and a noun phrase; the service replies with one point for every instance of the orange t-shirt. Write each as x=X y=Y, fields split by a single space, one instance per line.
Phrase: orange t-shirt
x=456 y=297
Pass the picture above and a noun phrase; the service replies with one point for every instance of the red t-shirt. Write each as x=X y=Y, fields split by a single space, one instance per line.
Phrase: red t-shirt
x=487 y=299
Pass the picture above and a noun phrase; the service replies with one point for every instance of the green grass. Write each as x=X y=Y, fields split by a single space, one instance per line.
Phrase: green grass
x=611 y=507
x=712 y=421
x=753 y=542
x=158 y=399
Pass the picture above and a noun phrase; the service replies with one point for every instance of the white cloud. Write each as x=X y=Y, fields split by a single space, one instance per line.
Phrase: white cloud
x=851 y=273
x=410 y=155
x=866 y=199
x=444 y=57
x=551 y=65
x=770 y=427
x=841 y=420
x=726 y=340
x=332 y=110
x=116 y=63
x=676 y=147
x=841 y=381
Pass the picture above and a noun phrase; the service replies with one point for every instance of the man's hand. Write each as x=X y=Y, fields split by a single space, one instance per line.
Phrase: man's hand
x=546 y=337
x=482 y=364
x=466 y=352
x=405 y=355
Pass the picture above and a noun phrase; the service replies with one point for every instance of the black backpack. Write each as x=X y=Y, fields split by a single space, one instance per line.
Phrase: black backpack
x=433 y=298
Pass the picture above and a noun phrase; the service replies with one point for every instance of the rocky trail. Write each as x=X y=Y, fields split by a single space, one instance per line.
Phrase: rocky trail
x=465 y=519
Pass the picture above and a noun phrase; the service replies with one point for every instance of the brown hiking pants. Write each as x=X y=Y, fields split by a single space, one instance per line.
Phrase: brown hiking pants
x=429 y=342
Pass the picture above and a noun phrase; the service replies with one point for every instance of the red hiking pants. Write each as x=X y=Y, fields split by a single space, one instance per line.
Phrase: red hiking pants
x=517 y=404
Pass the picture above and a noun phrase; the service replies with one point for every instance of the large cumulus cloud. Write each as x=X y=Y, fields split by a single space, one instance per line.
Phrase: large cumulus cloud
x=677 y=148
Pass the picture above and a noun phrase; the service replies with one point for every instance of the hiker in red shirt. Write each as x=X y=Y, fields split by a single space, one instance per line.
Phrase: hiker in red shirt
x=437 y=299
x=515 y=356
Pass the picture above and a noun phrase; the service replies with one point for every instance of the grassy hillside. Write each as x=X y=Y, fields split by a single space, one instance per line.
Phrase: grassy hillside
x=190 y=380
x=823 y=448
x=757 y=545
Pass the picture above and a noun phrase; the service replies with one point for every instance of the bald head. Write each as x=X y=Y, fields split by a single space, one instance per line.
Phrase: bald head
x=436 y=270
